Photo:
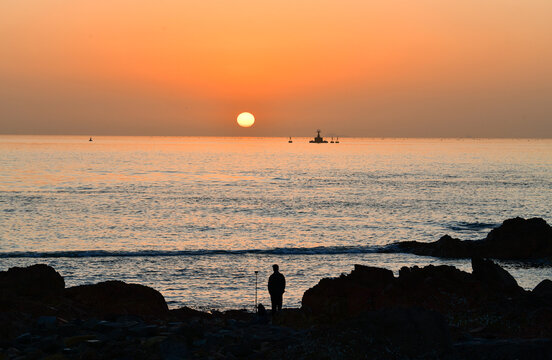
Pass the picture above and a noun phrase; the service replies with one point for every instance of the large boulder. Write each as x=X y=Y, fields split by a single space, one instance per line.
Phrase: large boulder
x=542 y=293
x=494 y=276
x=38 y=281
x=515 y=239
x=118 y=298
x=519 y=239
x=441 y=288
x=544 y=289
x=349 y=294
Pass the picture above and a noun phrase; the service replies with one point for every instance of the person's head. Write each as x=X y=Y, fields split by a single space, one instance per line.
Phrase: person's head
x=275 y=267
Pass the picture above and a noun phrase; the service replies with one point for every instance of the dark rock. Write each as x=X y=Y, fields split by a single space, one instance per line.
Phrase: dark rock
x=68 y=352
x=393 y=333
x=544 y=289
x=199 y=342
x=12 y=352
x=487 y=302
x=494 y=276
x=410 y=331
x=515 y=239
x=446 y=247
x=110 y=326
x=111 y=298
x=440 y=288
x=240 y=351
x=173 y=349
x=38 y=281
x=519 y=239
x=46 y=322
x=503 y=349
x=66 y=330
x=143 y=330
x=191 y=332
x=128 y=319
x=242 y=315
x=90 y=354
x=349 y=293
x=540 y=322
x=186 y=313
x=24 y=338
x=95 y=343
x=90 y=323
x=33 y=352
x=76 y=340
x=541 y=297
x=368 y=313
x=50 y=344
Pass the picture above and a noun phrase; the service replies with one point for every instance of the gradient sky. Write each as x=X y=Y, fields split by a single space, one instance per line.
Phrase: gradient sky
x=421 y=68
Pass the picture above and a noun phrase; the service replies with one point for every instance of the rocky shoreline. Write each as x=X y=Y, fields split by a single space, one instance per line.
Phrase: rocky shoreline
x=515 y=239
x=435 y=312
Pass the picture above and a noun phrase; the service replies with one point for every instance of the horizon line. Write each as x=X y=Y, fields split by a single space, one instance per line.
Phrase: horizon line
x=298 y=136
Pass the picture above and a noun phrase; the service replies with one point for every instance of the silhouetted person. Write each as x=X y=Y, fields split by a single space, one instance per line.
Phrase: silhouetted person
x=276 y=288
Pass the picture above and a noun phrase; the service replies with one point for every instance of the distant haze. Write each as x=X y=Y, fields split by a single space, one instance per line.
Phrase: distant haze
x=426 y=68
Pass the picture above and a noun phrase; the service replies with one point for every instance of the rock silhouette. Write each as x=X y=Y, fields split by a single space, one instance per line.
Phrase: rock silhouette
x=434 y=312
x=37 y=281
x=349 y=294
x=544 y=290
x=515 y=239
x=494 y=276
x=487 y=302
x=119 y=298
x=441 y=288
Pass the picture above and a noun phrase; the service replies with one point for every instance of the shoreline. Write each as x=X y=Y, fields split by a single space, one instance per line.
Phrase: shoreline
x=429 y=312
x=434 y=312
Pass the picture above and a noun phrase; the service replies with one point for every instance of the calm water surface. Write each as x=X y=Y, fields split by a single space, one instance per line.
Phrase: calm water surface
x=195 y=217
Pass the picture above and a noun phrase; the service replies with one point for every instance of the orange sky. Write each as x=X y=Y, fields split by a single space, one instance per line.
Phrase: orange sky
x=353 y=68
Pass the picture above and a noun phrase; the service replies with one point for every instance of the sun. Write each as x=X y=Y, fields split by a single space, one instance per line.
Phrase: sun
x=246 y=119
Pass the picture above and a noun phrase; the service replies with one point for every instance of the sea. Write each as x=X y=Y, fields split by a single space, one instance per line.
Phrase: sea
x=203 y=219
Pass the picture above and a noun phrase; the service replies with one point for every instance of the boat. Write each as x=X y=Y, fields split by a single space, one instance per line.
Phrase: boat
x=90 y=139
x=331 y=142
x=318 y=139
x=290 y=141
x=337 y=140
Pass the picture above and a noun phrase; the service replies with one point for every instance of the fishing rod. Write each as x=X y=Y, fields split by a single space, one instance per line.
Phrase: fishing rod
x=256 y=308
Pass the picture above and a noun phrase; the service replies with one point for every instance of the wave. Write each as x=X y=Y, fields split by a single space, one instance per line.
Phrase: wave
x=319 y=250
x=463 y=226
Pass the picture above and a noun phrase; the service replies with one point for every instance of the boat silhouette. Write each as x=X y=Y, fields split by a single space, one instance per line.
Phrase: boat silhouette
x=318 y=139
x=290 y=141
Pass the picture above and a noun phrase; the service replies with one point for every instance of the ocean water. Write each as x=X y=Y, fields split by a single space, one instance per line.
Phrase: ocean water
x=195 y=217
